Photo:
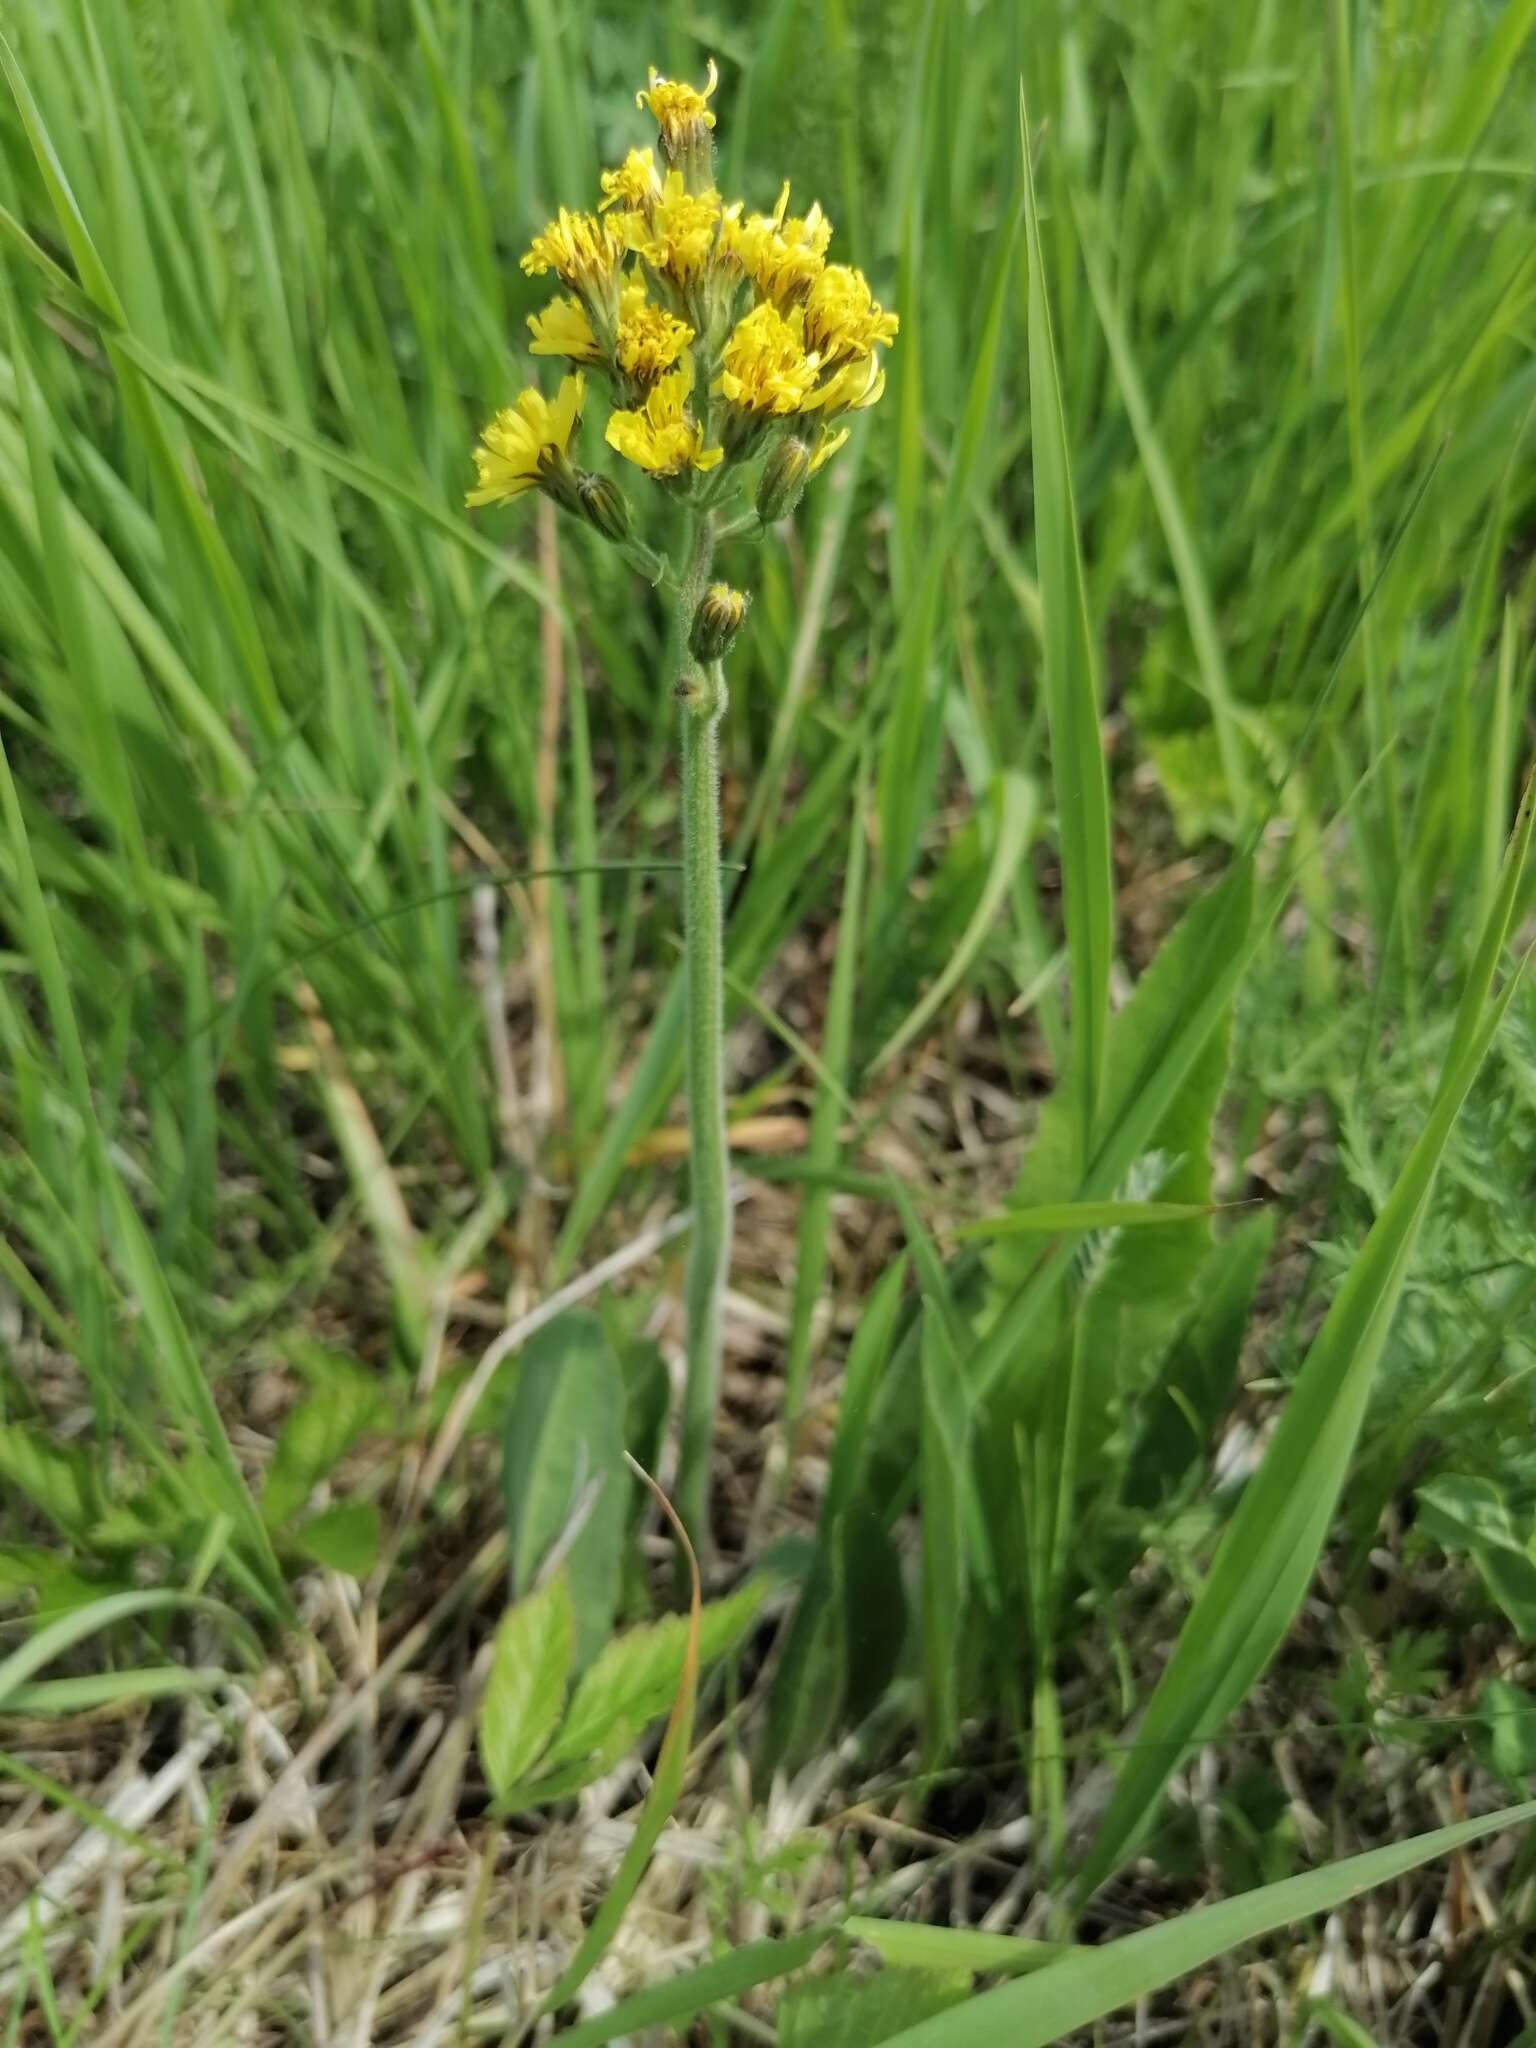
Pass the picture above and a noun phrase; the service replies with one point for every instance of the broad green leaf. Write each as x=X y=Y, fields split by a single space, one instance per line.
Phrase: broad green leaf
x=566 y=1482
x=1092 y=1982
x=526 y=1689
x=347 y=1403
x=635 y=1677
x=345 y=1537
x=666 y=1787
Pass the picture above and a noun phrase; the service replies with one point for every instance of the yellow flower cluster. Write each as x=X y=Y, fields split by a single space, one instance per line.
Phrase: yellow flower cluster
x=721 y=334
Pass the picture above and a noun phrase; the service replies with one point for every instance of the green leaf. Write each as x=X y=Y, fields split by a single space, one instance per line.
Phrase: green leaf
x=1052 y=1219
x=345 y=1537
x=60 y=1482
x=945 y=1487
x=347 y=1404
x=1091 y=1982
x=1194 y=1384
x=694 y=1991
x=832 y=2012
x=1261 y=1571
x=813 y=1669
x=1162 y=1071
x=635 y=1677
x=526 y=1689
x=1508 y=1716
x=916 y=1945
x=1471 y=1517
x=563 y=1469
x=1071 y=696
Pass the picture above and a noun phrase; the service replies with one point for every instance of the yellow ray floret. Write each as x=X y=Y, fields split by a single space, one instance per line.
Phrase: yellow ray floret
x=842 y=318
x=526 y=443
x=765 y=368
x=854 y=387
x=650 y=339
x=583 y=251
x=783 y=256
x=634 y=184
x=679 y=109
x=826 y=448
x=677 y=237
x=563 y=329
x=663 y=435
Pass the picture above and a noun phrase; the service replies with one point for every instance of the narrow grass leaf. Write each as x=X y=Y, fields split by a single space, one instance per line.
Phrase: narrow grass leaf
x=1071 y=691
x=1092 y=1982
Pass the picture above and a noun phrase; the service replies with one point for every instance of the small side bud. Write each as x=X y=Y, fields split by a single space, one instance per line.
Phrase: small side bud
x=604 y=505
x=716 y=622
x=782 y=483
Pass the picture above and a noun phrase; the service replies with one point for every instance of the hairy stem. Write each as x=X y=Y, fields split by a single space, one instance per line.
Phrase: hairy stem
x=701 y=701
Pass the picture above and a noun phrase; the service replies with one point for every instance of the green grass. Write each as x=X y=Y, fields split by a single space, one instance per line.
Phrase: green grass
x=1122 y=780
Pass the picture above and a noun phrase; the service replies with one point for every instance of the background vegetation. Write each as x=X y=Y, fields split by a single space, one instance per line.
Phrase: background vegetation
x=1122 y=757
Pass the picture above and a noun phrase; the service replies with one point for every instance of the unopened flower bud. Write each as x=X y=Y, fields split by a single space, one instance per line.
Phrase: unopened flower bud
x=782 y=483
x=604 y=504
x=716 y=622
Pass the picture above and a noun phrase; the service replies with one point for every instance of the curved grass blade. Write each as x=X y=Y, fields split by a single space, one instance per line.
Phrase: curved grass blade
x=1094 y=1981
x=694 y=1991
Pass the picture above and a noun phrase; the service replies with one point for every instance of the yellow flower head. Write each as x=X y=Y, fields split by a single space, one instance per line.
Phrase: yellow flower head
x=782 y=256
x=681 y=111
x=650 y=339
x=583 y=251
x=525 y=447
x=853 y=388
x=634 y=184
x=678 y=237
x=663 y=435
x=765 y=369
x=563 y=329
x=842 y=318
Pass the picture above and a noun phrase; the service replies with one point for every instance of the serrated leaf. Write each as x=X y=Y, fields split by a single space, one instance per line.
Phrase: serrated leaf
x=345 y=1537
x=1470 y=1517
x=565 y=1479
x=634 y=1679
x=345 y=1405
x=525 y=1692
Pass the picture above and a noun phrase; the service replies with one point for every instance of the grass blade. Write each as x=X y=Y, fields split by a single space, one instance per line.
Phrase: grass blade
x=1071 y=691
x=1094 y=1981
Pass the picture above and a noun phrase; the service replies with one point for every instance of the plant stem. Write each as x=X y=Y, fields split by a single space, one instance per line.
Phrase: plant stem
x=701 y=700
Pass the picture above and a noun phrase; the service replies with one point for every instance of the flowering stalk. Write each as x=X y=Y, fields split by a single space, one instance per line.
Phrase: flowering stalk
x=701 y=698
x=728 y=343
